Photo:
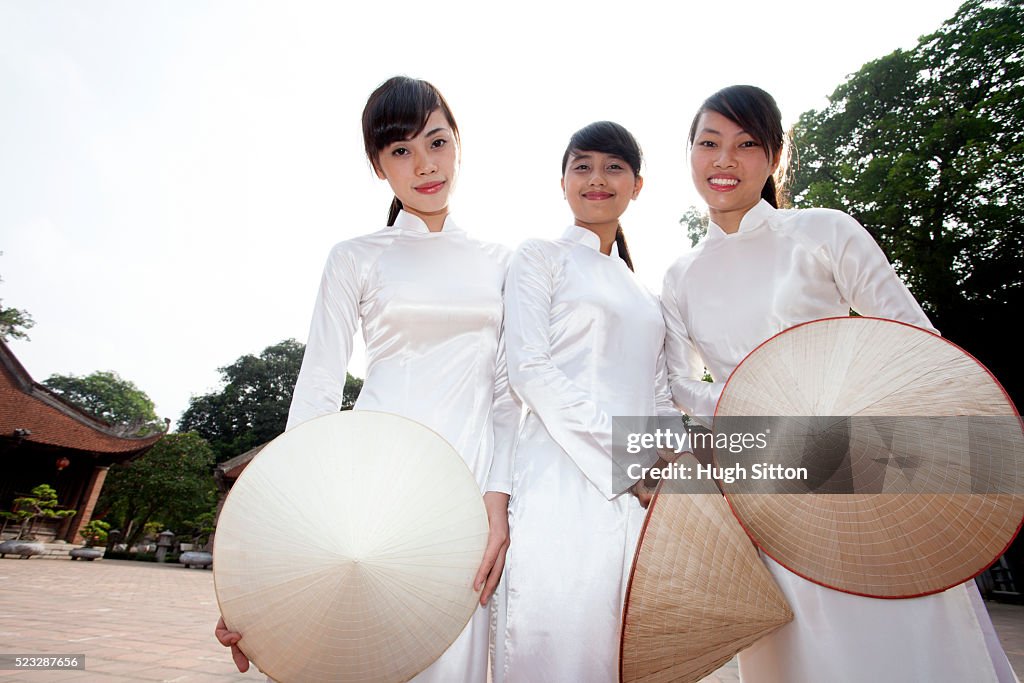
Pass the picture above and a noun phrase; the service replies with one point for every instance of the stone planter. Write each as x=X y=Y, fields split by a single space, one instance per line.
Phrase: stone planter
x=24 y=548
x=196 y=558
x=88 y=554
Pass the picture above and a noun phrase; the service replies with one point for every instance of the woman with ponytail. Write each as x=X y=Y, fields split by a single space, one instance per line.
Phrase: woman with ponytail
x=758 y=271
x=429 y=300
x=584 y=341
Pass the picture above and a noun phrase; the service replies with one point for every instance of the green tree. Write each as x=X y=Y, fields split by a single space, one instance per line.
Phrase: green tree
x=696 y=223
x=95 y=532
x=353 y=385
x=199 y=529
x=42 y=504
x=252 y=407
x=926 y=149
x=112 y=399
x=172 y=482
x=14 y=322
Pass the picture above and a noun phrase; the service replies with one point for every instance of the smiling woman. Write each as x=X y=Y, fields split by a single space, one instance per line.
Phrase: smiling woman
x=584 y=341
x=428 y=298
x=600 y=184
x=599 y=187
x=732 y=170
x=421 y=169
x=760 y=270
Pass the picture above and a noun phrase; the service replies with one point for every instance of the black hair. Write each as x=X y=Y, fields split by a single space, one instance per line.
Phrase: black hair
x=398 y=110
x=608 y=137
x=756 y=112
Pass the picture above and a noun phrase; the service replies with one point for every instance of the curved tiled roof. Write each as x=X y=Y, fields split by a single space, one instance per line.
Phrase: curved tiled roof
x=31 y=412
x=228 y=471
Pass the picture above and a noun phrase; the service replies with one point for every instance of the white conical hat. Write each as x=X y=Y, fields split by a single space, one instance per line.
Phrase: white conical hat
x=347 y=549
x=915 y=480
x=698 y=592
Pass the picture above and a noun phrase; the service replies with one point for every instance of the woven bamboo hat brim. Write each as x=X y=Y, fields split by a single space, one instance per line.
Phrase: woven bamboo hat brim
x=907 y=495
x=698 y=593
x=347 y=549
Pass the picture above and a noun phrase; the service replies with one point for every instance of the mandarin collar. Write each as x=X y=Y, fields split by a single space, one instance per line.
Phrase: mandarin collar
x=406 y=222
x=588 y=238
x=580 y=235
x=760 y=214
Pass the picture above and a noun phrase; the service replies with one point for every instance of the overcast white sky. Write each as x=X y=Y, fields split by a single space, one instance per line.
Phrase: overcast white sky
x=172 y=174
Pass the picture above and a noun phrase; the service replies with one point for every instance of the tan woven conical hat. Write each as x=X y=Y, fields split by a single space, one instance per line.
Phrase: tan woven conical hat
x=913 y=484
x=347 y=549
x=698 y=593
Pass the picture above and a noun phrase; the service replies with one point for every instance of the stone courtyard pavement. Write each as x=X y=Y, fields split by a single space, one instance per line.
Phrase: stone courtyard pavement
x=135 y=621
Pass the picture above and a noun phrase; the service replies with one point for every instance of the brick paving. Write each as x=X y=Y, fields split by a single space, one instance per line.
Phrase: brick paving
x=135 y=621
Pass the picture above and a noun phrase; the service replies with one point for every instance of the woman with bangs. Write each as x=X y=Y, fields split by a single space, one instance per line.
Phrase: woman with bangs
x=429 y=301
x=758 y=271
x=584 y=343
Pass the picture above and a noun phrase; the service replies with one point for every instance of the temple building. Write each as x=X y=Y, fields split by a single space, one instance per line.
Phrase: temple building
x=46 y=440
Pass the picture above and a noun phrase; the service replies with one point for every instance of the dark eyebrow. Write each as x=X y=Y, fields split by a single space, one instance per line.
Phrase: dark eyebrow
x=587 y=156
x=715 y=132
x=429 y=133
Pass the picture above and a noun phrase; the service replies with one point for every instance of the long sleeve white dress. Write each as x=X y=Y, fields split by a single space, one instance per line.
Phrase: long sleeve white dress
x=584 y=344
x=431 y=310
x=721 y=300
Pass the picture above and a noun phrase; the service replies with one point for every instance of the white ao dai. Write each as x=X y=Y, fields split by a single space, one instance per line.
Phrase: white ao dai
x=430 y=304
x=584 y=344
x=721 y=300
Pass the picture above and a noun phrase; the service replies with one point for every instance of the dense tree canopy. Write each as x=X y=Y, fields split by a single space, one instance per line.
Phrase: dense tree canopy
x=110 y=398
x=926 y=149
x=252 y=408
x=171 y=483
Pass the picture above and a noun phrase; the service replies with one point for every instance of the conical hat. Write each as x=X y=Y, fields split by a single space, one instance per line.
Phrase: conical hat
x=913 y=454
x=347 y=549
x=698 y=593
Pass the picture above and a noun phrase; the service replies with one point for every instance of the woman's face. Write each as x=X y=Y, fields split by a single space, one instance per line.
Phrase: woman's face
x=423 y=169
x=599 y=187
x=729 y=169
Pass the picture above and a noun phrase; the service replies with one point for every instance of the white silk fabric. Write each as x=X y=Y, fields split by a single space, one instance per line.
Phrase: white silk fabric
x=732 y=292
x=721 y=300
x=584 y=344
x=430 y=304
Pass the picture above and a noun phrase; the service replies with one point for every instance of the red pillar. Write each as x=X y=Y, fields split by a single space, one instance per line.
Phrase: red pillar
x=91 y=495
